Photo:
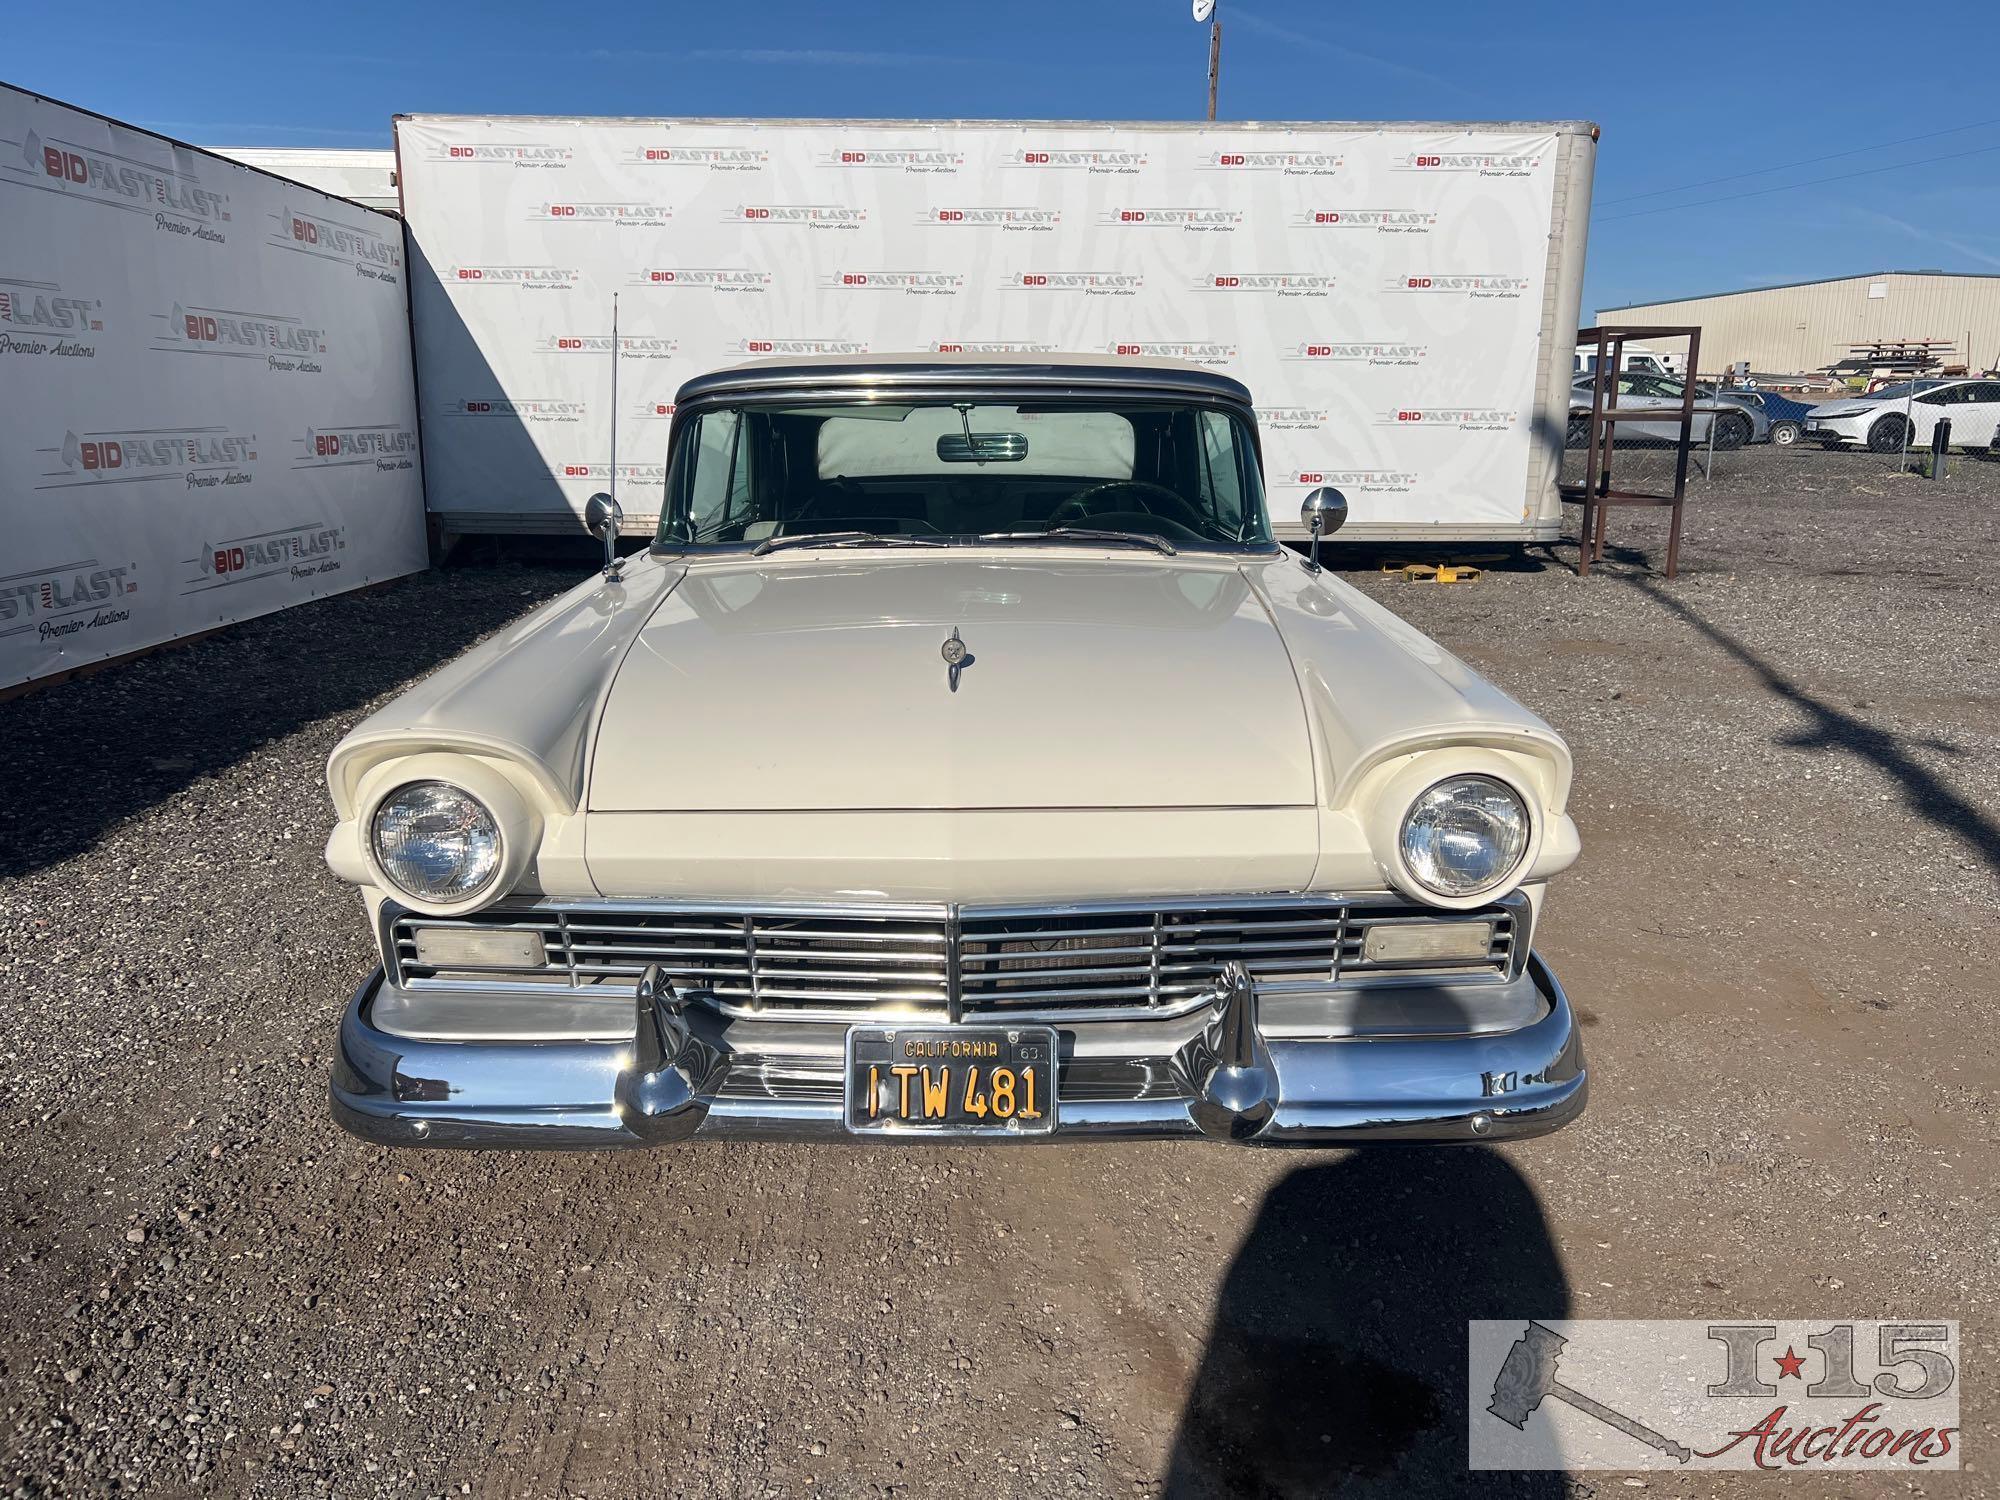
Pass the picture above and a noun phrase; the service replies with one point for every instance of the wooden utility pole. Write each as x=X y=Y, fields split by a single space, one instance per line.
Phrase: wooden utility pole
x=1214 y=61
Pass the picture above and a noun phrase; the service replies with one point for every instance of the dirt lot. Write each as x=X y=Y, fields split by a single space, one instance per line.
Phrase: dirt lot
x=1782 y=937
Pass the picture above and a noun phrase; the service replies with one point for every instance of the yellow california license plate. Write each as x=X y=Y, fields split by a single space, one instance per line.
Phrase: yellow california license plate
x=955 y=1080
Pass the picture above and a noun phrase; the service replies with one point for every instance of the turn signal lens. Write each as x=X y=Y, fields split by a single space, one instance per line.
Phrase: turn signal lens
x=465 y=948
x=1419 y=942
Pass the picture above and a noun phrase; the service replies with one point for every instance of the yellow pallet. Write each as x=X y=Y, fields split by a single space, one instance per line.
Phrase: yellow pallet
x=1434 y=573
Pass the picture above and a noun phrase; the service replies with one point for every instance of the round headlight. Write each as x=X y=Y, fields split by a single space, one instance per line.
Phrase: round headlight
x=1464 y=836
x=436 y=842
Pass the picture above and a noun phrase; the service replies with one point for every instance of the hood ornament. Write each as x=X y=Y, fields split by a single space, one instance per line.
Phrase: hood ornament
x=956 y=657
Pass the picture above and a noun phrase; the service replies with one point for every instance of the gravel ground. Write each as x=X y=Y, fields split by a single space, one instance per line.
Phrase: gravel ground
x=1781 y=937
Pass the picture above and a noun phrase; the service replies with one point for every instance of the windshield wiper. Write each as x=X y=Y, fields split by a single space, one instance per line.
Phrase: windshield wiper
x=842 y=539
x=1086 y=534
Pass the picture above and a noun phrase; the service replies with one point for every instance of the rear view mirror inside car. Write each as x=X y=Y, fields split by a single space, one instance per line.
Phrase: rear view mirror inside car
x=982 y=447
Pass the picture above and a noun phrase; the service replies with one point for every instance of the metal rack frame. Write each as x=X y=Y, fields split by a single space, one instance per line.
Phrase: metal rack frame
x=1597 y=493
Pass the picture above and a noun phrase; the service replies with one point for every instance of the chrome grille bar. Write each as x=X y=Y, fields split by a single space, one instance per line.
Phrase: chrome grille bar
x=1094 y=961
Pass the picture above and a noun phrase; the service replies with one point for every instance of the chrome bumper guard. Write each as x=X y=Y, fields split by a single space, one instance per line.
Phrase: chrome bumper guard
x=671 y=1081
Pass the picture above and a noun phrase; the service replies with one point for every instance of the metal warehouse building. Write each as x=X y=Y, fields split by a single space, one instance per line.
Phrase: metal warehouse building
x=1807 y=325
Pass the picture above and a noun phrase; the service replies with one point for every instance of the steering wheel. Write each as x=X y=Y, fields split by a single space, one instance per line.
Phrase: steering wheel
x=1084 y=503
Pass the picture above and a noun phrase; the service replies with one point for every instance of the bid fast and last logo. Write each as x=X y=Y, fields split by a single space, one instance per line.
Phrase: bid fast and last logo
x=1372 y=220
x=913 y=160
x=1449 y=418
x=577 y=471
x=908 y=283
x=42 y=318
x=1355 y=481
x=637 y=346
x=1494 y=286
x=536 y=410
x=627 y=215
x=998 y=217
x=1188 y=220
x=1349 y=352
x=701 y=278
x=993 y=346
x=790 y=346
x=197 y=457
x=1104 y=163
x=282 y=344
x=68 y=599
x=387 y=447
x=301 y=553
x=522 y=278
x=1285 y=163
x=1194 y=351
x=1266 y=283
x=174 y=199
x=715 y=158
x=373 y=256
x=531 y=155
x=1478 y=163
x=841 y=216
x=1085 y=283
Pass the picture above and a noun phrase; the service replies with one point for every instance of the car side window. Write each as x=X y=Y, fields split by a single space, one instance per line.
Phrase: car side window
x=1222 y=468
x=721 y=490
x=1946 y=397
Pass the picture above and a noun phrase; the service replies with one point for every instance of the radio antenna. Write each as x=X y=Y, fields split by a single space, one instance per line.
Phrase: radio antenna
x=614 y=396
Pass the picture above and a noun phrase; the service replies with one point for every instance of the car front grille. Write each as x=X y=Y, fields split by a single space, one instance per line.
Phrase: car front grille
x=950 y=963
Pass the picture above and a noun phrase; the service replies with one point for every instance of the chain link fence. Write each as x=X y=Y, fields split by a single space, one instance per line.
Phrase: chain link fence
x=1738 y=432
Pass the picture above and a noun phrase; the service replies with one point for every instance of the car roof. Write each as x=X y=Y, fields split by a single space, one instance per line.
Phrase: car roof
x=1925 y=383
x=824 y=375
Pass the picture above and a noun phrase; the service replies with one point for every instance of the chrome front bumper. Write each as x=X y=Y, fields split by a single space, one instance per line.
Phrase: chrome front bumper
x=688 y=1075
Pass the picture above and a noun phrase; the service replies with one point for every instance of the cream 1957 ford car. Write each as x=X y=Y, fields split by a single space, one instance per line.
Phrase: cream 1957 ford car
x=962 y=758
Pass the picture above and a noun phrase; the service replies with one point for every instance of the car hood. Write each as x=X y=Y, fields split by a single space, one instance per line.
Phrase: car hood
x=1844 y=408
x=818 y=682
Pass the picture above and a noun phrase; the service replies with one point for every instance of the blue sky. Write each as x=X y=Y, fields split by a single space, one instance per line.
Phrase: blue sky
x=1719 y=93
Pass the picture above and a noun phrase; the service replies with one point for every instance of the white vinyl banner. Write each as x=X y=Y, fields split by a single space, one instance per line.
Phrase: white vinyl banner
x=1380 y=291
x=209 y=409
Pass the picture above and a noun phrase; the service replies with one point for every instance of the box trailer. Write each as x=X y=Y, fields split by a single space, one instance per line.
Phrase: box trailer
x=1400 y=298
x=209 y=403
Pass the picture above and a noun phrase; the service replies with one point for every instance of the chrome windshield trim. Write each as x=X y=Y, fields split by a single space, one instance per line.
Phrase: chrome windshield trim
x=862 y=383
x=867 y=379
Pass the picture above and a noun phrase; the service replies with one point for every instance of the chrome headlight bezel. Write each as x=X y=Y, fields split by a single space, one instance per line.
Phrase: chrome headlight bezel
x=1516 y=859
x=458 y=898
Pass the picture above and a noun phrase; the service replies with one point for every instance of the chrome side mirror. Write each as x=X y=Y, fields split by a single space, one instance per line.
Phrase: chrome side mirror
x=602 y=517
x=1322 y=513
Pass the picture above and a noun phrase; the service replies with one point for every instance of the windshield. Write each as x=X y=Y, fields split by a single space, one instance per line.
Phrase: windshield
x=942 y=471
x=1902 y=392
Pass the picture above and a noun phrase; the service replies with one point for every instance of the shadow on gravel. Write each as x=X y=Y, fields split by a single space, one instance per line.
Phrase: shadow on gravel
x=1833 y=729
x=1491 y=557
x=98 y=749
x=1337 y=1359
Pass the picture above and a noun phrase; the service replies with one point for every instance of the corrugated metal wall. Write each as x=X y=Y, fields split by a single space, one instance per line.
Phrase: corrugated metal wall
x=1800 y=328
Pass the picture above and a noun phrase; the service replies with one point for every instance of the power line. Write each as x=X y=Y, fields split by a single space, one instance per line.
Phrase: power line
x=1688 y=187
x=1809 y=182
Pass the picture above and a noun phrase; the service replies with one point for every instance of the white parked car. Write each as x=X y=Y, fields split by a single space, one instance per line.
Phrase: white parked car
x=963 y=757
x=1900 y=416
